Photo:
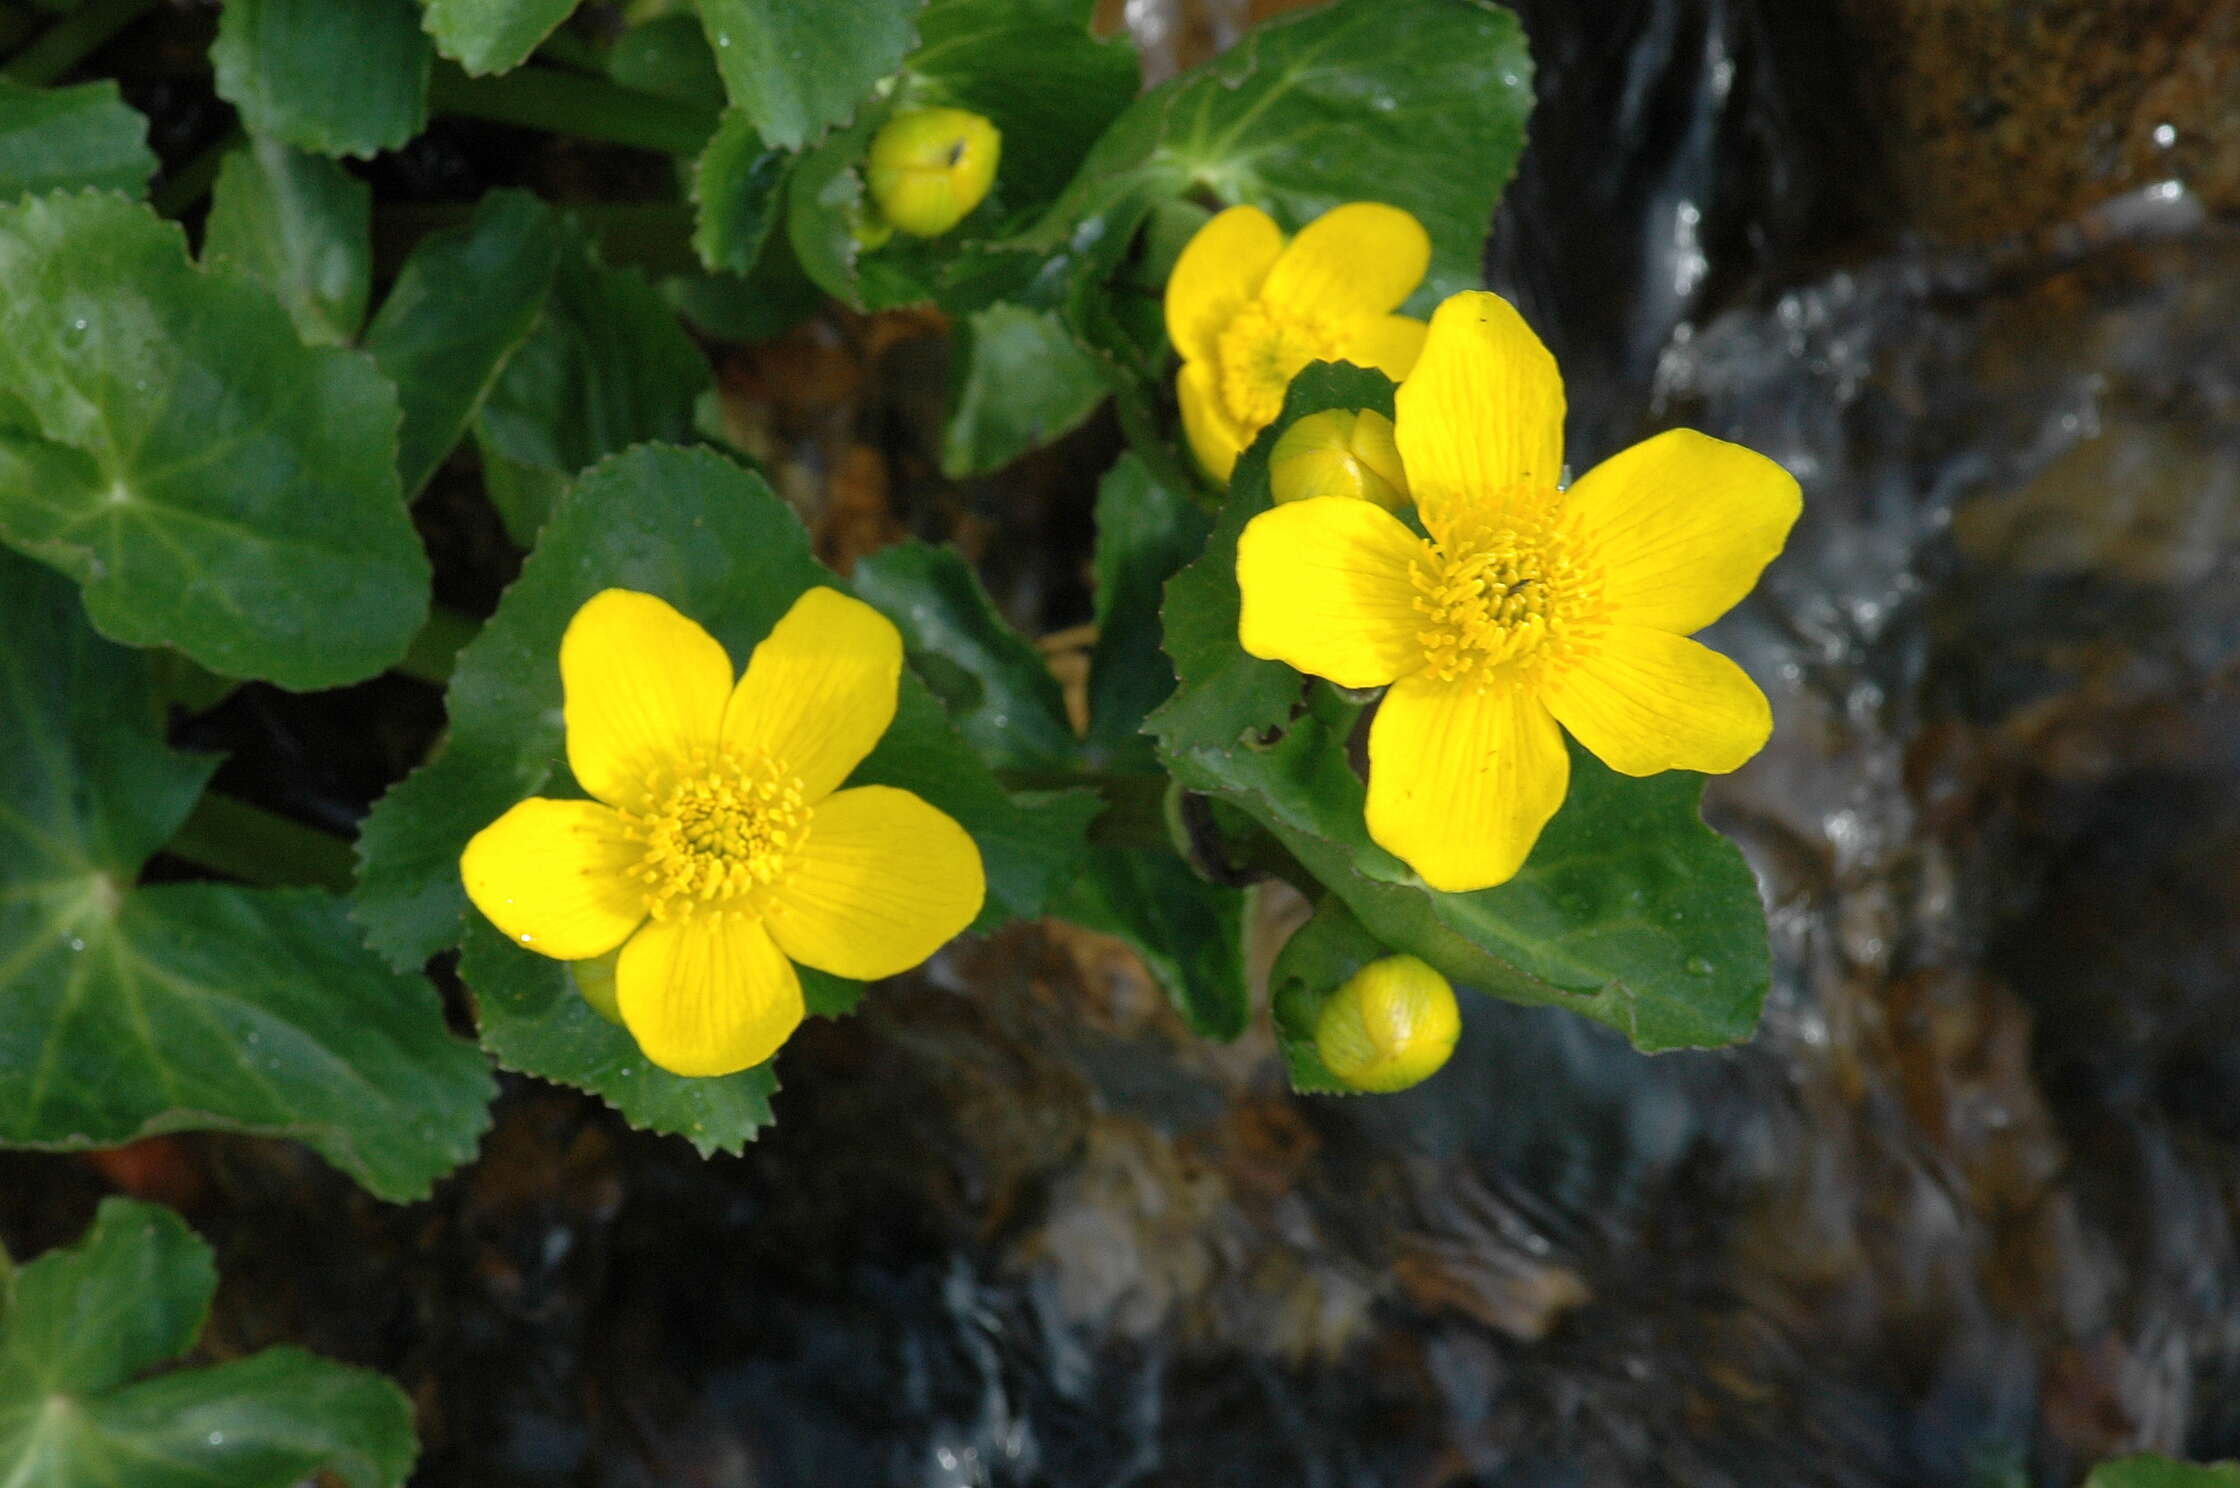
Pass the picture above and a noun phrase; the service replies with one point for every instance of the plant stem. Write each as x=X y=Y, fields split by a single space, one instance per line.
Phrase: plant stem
x=566 y=103
x=436 y=648
x=72 y=39
x=185 y=186
x=262 y=847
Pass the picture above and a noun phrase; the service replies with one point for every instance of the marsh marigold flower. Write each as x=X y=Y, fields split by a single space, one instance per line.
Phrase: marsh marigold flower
x=1392 y=1025
x=718 y=848
x=1525 y=608
x=1247 y=311
x=928 y=168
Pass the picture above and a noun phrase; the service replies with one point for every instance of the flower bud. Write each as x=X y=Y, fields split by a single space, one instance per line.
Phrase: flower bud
x=1391 y=1025
x=930 y=167
x=1339 y=452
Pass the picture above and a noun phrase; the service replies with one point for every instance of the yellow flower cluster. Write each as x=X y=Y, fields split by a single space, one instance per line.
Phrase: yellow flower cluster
x=718 y=848
x=1511 y=609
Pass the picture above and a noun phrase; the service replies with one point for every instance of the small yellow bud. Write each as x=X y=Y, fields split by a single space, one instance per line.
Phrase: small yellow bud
x=930 y=167
x=595 y=980
x=1391 y=1025
x=1339 y=452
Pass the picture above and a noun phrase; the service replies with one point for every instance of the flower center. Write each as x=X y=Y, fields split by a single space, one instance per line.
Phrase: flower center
x=1260 y=352
x=1493 y=591
x=721 y=831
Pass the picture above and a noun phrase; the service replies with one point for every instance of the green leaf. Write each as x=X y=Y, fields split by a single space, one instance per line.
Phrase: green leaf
x=464 y=301
x=486 y=36
x=794 y=72
x=608 y=366
x=1021 y=381
x=713 y=540
x=2150 y=1471
x=1190 y=933
x=668 y=56
x=1146 y=532
x=998 y=691
x=130 y=1295
x=1629 y=911
x=340 y=77
x=1419 y=103
x=738 y=189
x=301 y=226
x=82 y=136
x=1317 y=960
x=1032 y=68
x=183 y=1006
x=170 y=443
x=534 y=1020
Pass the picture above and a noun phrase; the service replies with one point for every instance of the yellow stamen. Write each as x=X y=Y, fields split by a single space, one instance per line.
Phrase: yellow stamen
x=1496 y=587
x=1260 y=352
x=717 y=833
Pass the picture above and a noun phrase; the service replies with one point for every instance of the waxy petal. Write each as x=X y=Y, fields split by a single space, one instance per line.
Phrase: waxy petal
x=1324 y=585
x=707 y=994
x=1646 y=700
x=1392 y=344
x=555 y=877
x=1481 y=416
x=1220 y=269
x=1461 y=780
x=644 y=691
x=819 y=692
x=883 y=881
x=1360 y=259
x=1681 y=526
x=1214 y=437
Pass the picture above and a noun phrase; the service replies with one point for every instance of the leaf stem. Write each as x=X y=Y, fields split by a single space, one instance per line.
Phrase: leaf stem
x=567 y=103
x=261 y=847
x=72 y=39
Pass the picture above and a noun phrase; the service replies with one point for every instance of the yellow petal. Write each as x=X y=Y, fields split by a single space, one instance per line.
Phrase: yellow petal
x=819 y=691
x=1325 y=587
x=1214 y=437
x=1461 y=780
x=644 y=690
x=1647 y=700
x=1681 y=526
x=1482 y=413
x=707 y=994
x=883 y=882
x=555 y=877
x=1390 y=343
x=1363 y=258
x=1220 y=268
x=1338 y=452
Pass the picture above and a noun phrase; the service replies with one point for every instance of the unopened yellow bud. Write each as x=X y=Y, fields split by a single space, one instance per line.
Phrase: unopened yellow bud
x=930 y=167
x=1391 y=1025
x=1339 y=452
x=595 y=980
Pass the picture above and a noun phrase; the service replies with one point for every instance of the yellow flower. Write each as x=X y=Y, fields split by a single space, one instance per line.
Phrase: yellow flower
x=1247 y=312
x=1391 y=1025
x=1339 y=452
x=719 y=849
x=929 y=168
x=1527 y=606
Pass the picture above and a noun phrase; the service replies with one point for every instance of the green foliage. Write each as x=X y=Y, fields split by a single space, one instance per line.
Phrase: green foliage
x=129 y=1296
x=791 y=70
x=135 y=1010
x=2150 y=1471
x=1190 y=933
x=82 y=136
x=1146 y=532
x=1629 y=910
x=486 y=36
x=1314 y=963
x=684 y=525
x=339 y=77
x=463 y=303
x=166 y=440
x=301 y=226
x=1020 y=382
x=736 y=186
